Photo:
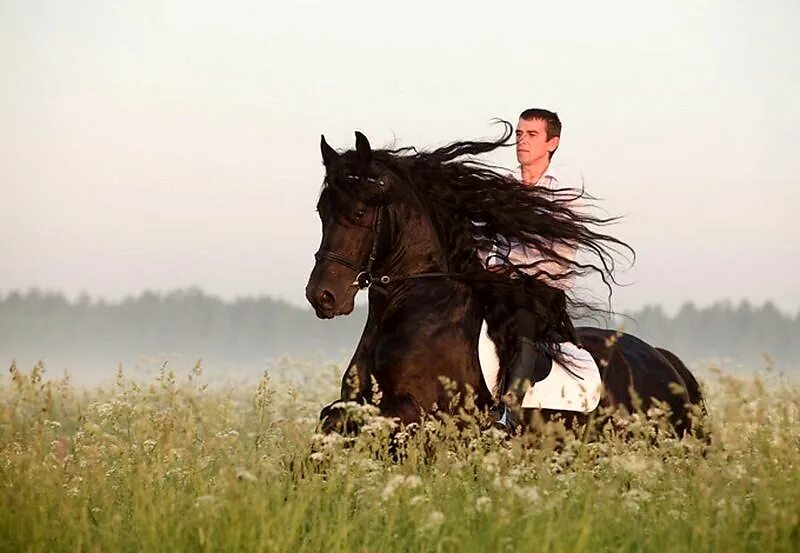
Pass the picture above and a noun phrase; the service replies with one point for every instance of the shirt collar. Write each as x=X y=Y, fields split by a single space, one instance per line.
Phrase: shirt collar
x=550 y=172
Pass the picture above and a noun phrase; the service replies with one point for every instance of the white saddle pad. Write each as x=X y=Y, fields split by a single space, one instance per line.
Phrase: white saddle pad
x=560 y=390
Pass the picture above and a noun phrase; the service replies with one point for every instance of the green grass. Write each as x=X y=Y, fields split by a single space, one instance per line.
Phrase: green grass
x=174 y=466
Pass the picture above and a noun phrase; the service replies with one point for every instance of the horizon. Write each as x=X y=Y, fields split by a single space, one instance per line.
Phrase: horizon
x=360 y=300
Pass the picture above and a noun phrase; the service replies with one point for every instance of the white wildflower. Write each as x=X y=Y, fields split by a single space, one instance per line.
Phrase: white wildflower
x=491 y=462
x=391 y=486
x=317 y=456
x=413 y=481
x=435 y=519
x=530 y=494
x=632 y=463
x=633 y=499
x=243 y=474
x=483 y=504
x=399 y=481
x=204 y=500
x=331 y=440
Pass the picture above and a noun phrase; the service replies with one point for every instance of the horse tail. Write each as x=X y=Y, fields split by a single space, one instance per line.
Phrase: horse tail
x=693 y=391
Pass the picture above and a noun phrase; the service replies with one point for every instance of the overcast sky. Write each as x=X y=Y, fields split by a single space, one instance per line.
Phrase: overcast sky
x=155 y=145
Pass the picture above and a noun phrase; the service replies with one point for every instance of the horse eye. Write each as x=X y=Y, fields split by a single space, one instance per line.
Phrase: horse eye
x=360 y=213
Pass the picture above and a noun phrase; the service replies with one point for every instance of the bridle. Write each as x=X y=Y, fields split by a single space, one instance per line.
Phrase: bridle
x=363 y=268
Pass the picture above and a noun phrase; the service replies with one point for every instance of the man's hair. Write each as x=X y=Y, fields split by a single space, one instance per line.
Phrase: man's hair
x=552 y=122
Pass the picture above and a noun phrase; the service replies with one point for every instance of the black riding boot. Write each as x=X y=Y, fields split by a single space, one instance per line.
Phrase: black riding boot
x=519 y=378
x=531 y=364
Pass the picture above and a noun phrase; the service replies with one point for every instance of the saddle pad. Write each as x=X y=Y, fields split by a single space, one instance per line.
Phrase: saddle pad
x=560 y=390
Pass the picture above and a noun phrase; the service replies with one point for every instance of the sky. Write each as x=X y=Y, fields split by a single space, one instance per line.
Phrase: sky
x=161 y=145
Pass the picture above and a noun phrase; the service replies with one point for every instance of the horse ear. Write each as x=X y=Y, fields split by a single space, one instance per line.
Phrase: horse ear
x=329 y=155
x=364 y=152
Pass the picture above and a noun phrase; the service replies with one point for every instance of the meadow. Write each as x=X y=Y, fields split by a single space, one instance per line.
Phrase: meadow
x=175 y=464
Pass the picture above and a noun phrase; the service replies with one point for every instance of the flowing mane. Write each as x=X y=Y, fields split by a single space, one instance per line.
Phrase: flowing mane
x=467 y=199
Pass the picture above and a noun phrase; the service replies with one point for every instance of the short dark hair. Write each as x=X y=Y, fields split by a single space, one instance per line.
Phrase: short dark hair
x=552 y=122
x=549 y=117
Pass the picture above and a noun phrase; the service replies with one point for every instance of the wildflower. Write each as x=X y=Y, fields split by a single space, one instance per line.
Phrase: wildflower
x=491 y=462
x=633 y=498
x=530 y=493
x=399 y=481
x=391 y=486
x=55 y=425
x=204 y=500
x=413 y=481
x=630 y=463
x=483 y=504
x=435 y=519
x=243 y=474
x=332 y=440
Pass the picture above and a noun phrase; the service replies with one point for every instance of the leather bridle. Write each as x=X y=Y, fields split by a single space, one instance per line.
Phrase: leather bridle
x=363 y=268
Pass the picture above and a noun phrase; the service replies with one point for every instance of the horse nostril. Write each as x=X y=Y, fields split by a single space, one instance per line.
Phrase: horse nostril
x=327 y=299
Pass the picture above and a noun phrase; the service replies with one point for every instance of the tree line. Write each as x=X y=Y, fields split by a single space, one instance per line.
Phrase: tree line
x=248 y=331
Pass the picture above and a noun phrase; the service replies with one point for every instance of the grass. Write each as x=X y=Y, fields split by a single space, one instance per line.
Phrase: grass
x=172 y=465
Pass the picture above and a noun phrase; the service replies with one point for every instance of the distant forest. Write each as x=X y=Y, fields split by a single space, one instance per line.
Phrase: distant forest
x=248 y=332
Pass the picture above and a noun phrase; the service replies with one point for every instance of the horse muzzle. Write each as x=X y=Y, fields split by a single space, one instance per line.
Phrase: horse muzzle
x=327 y=302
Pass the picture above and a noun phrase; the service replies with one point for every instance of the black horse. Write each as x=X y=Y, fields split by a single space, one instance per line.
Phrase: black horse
x=404 y=225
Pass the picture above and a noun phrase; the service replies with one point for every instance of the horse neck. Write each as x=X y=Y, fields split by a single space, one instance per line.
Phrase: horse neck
x=445 y=307
x=413 y=244
x=415 y=248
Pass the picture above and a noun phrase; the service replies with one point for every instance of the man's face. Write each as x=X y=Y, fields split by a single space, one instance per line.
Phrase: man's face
x=532 y=142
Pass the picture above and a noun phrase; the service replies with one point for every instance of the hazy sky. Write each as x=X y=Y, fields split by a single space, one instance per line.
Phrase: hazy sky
x=155 y=145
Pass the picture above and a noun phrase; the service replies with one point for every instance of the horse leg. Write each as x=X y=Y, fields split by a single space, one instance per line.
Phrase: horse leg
x=357 y=378
x=343 y=417
x=346 y=417
x=696 y=410
x=404 y=408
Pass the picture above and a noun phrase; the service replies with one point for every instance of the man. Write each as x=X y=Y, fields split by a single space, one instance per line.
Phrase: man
x=538 y=134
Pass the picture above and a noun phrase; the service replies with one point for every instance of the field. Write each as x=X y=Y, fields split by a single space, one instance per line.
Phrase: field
x=175 y=465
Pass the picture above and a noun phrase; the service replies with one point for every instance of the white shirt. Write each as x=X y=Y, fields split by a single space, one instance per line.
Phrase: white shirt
x=552 y=179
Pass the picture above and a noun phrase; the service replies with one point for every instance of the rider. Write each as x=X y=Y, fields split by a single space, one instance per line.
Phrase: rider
x=538 y=134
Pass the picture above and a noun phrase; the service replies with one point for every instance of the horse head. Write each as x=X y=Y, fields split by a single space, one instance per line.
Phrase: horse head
x=351 y=207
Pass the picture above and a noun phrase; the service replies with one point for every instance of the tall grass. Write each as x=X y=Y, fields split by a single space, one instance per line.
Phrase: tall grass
x=172 y=465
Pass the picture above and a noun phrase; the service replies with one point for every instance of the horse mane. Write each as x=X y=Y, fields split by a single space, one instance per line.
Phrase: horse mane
x=469 y=201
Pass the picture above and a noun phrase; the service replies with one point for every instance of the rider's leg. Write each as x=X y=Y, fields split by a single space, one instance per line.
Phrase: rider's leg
x=531 y=364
